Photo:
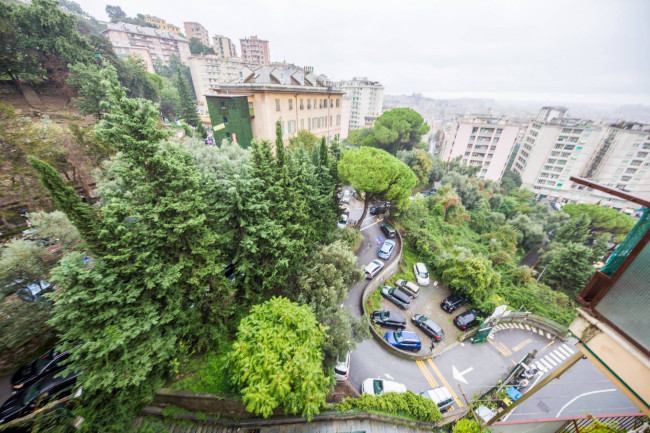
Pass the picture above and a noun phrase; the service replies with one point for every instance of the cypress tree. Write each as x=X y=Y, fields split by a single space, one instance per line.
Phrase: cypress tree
x=66 y=199
x=188 y=107
x=323 y=153
x=280 y=152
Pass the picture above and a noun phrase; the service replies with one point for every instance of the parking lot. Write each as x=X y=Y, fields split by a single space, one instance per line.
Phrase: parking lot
x=428 y=303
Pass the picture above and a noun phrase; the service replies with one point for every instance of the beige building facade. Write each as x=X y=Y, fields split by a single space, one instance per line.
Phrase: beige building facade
x=255 y=51
x=196 y=30
x=223 y=46
x=160 y=44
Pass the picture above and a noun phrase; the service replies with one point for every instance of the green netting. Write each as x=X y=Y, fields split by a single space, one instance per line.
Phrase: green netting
x=628 y=243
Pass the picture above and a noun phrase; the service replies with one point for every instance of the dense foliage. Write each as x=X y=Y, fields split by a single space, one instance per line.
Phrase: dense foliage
x=277 y=359
x=405 y=404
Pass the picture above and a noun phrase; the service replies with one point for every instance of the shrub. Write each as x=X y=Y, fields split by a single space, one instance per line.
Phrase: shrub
x=407 y=404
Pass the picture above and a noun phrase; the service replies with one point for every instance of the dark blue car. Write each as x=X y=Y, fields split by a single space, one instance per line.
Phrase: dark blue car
x=404 y=340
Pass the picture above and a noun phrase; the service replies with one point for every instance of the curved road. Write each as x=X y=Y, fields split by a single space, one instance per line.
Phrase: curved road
x=476 y=368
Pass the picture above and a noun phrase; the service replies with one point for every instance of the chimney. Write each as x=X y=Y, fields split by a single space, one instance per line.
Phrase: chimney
x=309 y=69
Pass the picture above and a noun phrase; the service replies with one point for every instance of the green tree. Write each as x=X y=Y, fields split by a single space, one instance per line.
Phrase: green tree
x=92 y=83
x=55 y=226
x=419 y=161
x=399 y=129
x=304 y=138
x=531 y=232
x=188 y=110
x=277 y=359
x=138 y=82
x=467 y=426
x=115 y=12
x=362 y=137
x=377 y=174
x=570 y=268
x=170 y=101
x=468 y=274
x=576 y=230
x=510 y=181
x=603 y=219
x=197 y=47
x=21 y=260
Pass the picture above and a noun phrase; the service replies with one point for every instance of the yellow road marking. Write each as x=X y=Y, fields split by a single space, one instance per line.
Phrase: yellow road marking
x=444 y=382
x=546 y=347
x=521 y=345
x=427 y=374
x=500 y=347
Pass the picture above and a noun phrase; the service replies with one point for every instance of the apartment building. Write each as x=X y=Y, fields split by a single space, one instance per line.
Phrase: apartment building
x=554 y=148
x=255 y=51
x=620 y=161
x=223 y=46
x=196 y=30
x=294 y=96
x=137 y=52
x=483 y=141
x=159 y=44
x=210 y=70
x=162 y=24
x=367 y=100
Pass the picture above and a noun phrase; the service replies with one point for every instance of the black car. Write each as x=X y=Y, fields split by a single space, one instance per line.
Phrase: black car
x=428 y=326
x=49 y=362
x=468 y=319
x=389 y=319
x=37 y=395
x=378 y=210
x=452 y=302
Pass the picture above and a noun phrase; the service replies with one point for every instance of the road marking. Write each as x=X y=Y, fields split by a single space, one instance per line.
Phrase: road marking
x=458 y=375
x=564 y=352
x=555 y=357
x=547 y=346
x=389 y=376
x=500 y=347
x=521 y=345
x=427 y=374
x=444 y=382
x=568 y=349
x=559 y=354
x=581 y=395
x=550 y=360
x=368 y=226
x=546 y=364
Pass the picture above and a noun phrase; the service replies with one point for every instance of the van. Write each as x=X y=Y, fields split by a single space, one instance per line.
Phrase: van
x=440 y=396
x=388 y=230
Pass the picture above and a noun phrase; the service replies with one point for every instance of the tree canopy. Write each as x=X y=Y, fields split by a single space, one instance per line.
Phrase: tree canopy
x=277 y=359
x=378 y=175
x=399 y=129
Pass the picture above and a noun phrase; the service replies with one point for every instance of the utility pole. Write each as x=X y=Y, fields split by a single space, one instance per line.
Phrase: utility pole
x=469 y=405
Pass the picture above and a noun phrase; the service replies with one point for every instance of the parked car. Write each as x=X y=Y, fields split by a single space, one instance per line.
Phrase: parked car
x=386 y=250
x=468 y=319
x=440 y=396
x=397 y=296
x=49 y=362
x=373 y=269
x=388 y=230
x=409 y=287
x=346 y=196
x=343 y=221
x=430 y=192
x=33 y=291
x=381 y=386
x=378 y=210
x=452 y=302
x=404 y=340
x=342 y=368
x=346 y=211
x=421 y=274
x=428 y=326
x=37 y=395
x=389 y=319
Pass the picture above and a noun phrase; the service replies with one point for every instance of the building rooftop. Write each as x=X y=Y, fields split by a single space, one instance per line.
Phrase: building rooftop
x=632 y=126
x=148 y=31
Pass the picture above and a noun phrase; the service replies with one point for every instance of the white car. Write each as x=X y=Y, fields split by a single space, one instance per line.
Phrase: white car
x=342 y=368
x=373 y=268
x=346 y=196
x=380 y=386
x=421 y=274
x=343 y=221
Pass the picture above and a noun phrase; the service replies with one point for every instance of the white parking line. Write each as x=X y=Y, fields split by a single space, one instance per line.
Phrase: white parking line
x=370 y=225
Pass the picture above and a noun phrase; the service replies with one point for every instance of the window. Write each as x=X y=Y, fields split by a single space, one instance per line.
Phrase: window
x=630 y=171
x=338 y=117
x=636 y=144
x=641 y=154
x=625 y=178
x=222 y=104
x=635 y=163
x=324 y=103
x=309 y=104
x=331 y=121
x=277 y=105
x=338 y=101
x=225 y=120
x=302 y=104
x=320 y=103
x=302 y=123
x=290 y=104
x=499 y=131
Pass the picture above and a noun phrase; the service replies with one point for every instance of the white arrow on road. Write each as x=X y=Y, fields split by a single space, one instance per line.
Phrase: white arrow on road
x=389 y=376
x=459 y=375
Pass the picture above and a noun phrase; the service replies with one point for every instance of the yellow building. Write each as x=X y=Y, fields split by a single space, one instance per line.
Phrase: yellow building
x=251 y=106
x=162 y=24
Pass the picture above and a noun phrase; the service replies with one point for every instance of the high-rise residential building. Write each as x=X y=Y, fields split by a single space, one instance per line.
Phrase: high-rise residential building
x=209 y=70
x=367 y=100
x=160 y=44
x=294 y=96
x=162 y=24
x=196 y=30
x=555 y=148
x=483 y=141
x=255 y=51
x=223 y=46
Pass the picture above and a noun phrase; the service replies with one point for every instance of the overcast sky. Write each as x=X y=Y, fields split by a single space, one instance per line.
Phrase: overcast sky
x=539 y=50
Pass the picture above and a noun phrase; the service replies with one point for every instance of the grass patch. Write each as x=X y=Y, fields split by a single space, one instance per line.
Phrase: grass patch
x=374 y=301
x=205 y=373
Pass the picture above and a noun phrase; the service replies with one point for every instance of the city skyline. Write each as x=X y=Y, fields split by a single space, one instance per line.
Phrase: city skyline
x=590 y=51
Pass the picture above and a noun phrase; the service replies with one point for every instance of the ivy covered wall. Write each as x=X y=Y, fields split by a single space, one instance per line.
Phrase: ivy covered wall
x=234 y=110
